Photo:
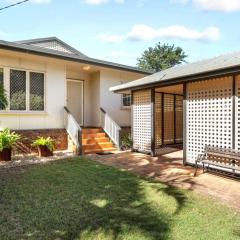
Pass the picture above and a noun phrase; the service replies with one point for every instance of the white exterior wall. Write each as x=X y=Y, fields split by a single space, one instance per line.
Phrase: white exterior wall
x=54 y=95
x=112 y=102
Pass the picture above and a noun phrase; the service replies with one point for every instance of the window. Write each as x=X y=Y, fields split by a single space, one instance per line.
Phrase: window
x=17 y=90
x=1 y=85
x=36 y=91
x=126 y=100
x=26 y=90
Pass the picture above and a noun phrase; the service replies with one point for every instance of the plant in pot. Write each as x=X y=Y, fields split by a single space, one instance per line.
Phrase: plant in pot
x=45 y=146
x=7 y=142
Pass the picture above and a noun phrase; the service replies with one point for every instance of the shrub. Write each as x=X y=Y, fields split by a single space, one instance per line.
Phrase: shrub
x=126 y=141
x=8 y=139
x=48 y=142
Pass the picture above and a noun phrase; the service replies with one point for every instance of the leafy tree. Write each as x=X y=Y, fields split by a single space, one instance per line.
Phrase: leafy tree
x=160 y=57
x=3 y=98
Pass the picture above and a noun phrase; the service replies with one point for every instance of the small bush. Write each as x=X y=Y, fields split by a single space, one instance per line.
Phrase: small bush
x=126 y=141
x=48 y=142
x=8 y=139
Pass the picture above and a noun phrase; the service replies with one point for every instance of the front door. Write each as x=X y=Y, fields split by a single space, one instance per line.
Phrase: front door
x=75 y=99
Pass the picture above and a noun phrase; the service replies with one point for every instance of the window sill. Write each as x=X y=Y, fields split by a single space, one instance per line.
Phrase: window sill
x=17 y=113
x=125 y=108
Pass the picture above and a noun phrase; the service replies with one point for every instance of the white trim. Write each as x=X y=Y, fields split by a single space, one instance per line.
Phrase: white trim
x=6 y=77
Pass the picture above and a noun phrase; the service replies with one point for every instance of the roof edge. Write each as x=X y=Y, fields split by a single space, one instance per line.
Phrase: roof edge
x=174 y=81
x=24 y=48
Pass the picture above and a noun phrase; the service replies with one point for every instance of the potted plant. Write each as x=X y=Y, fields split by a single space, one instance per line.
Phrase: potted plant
x=126 y=141
x=7 y=141
x=45 y=146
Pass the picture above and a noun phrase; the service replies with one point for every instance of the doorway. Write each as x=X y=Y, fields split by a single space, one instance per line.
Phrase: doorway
x=75 y=98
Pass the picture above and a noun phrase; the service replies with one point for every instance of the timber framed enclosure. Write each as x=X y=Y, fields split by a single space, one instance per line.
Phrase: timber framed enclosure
x=157 y=120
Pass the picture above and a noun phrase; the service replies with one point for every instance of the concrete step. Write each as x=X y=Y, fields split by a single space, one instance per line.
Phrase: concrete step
x=92 y=130
x=99 y=150
x=98 y=146
x=95 y=140
x=93 y=135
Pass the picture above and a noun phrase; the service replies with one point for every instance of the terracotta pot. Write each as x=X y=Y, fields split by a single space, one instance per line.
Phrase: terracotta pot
x=6 y=154
x=43 y=151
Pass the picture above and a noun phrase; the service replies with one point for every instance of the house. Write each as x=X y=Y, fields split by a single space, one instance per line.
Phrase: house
x=197 y=104
x=53 y=89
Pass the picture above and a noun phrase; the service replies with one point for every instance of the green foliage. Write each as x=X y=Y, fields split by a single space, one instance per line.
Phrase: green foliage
x=160 y=57
x=48 y=142
x=3 y=98
x=126 y=141
x=8 y=139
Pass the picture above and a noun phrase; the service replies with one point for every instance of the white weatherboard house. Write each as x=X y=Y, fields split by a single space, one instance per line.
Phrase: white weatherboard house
x=197 y=104
x=52 y=87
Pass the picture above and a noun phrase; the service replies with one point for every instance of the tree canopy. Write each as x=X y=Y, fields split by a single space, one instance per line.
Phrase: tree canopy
x=160 y=57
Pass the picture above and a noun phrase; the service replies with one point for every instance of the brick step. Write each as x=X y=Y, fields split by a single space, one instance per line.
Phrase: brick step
x=95 y=140
x=98 y=146
x=99 y=150
x=92 y=130
x=93 y=135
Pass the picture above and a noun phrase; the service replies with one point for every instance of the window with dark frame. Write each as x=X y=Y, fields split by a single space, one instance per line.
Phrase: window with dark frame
x=36 y=91
x=1 y=85
x=126 y=100
x=17 y=90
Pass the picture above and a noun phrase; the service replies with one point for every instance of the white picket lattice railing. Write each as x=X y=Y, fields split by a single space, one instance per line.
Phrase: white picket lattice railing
x=110 y=127
x=73 y=129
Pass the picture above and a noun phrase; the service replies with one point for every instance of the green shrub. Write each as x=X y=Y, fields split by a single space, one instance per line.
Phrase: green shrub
x=126 y=141
x=48 y=142
x=8 y=139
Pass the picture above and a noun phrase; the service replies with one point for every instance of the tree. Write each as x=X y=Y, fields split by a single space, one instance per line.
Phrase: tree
x=3 y=98
x=160 y=57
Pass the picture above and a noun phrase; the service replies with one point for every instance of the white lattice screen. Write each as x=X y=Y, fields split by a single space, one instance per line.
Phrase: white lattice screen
x=237 y=133
x=158 y=119
x=142 y=123
x=209 y=115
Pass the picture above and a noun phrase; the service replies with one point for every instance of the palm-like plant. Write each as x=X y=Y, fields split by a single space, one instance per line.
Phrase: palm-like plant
x=3 y=98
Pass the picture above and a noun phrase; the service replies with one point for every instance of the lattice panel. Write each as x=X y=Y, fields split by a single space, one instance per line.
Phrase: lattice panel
x=237 y=135
x=36 y=91
x=142 y=124
x=158 y=119
x=179 y=119
x=17 y=90
x=168 y=119
x=209 y=115
x=53 y=45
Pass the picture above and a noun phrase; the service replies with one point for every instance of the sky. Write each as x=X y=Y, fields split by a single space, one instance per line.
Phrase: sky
x=120 y=30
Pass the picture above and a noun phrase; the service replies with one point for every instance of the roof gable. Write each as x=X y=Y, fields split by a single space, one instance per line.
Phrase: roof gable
x=52 y=43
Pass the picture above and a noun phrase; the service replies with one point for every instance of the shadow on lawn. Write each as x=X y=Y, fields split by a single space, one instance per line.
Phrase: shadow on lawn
x=83 y=200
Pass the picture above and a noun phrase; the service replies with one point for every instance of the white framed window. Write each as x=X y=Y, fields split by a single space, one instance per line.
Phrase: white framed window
x=25 y=89
x=126 y=100
x=1 y=84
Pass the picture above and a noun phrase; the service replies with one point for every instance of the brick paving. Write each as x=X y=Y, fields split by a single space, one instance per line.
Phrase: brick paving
x=168 y=168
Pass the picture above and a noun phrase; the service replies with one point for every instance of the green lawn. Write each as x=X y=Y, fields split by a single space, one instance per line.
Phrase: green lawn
x=80 y=199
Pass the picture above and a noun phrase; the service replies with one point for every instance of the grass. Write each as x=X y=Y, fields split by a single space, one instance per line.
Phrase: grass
x=81 y=199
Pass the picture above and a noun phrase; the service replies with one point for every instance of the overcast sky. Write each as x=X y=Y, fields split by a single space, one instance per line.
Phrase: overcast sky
x=120 y=30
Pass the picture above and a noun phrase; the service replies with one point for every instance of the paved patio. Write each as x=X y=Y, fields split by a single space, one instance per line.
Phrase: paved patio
x=168 y=168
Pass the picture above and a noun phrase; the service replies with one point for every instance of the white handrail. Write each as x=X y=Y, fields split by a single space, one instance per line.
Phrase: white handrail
x=110 y=127
x=73 y=129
